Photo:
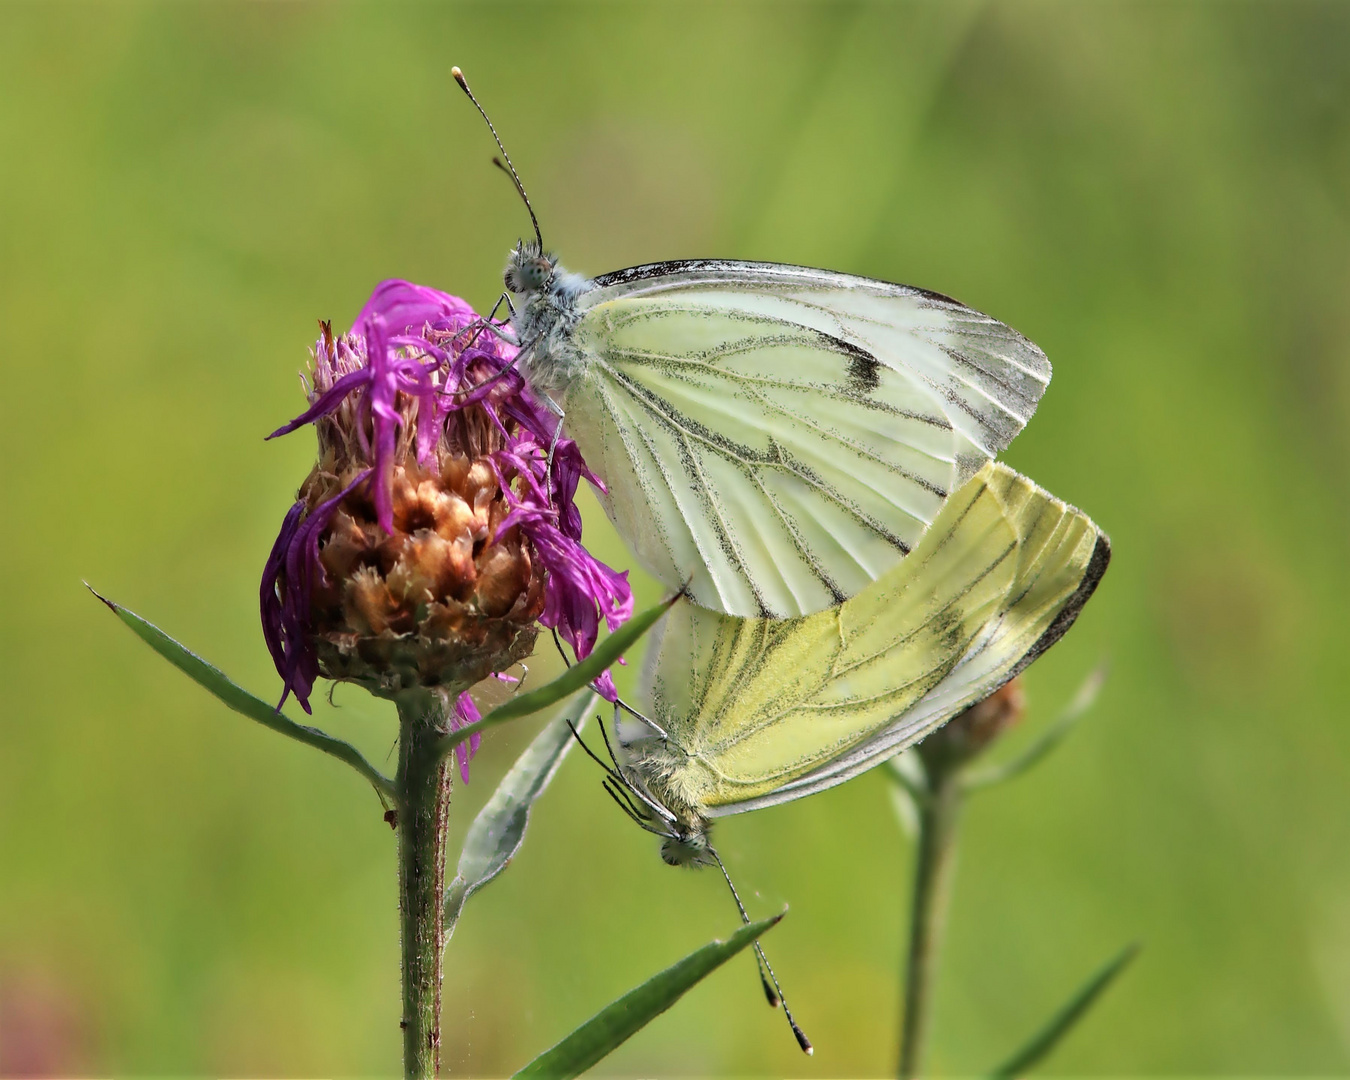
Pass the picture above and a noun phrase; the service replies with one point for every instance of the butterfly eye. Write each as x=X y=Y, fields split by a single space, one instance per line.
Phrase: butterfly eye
x=528 y=276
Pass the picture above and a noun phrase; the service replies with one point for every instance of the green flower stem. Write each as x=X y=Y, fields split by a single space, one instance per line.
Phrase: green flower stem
x=423 y=782
x=934 y=865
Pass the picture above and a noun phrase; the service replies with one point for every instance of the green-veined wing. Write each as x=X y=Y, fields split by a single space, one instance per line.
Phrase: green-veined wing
x=761 y=711
x=780 y=437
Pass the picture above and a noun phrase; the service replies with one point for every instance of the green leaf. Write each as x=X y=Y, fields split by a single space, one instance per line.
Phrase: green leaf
x=499 y=829
x=1082 y=701
x=240 y=700
x=615 y=1023
x=1045 y=1040
x=569 y=682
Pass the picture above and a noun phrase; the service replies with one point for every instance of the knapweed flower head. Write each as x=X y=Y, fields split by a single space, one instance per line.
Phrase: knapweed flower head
x=435 y=531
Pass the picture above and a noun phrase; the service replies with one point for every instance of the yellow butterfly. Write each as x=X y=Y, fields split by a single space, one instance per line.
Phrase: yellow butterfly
x=736 y=714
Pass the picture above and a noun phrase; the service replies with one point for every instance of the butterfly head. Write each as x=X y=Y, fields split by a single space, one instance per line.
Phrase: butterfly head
x=529 y=269
x=688 y=847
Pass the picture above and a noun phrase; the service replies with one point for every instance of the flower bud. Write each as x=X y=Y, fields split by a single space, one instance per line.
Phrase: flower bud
x=969 y=733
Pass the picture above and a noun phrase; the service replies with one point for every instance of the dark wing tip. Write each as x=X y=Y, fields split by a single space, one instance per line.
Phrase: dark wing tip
x=1096 y=568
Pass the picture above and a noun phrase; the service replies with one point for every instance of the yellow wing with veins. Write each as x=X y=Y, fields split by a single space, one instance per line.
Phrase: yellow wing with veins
x=759 y=711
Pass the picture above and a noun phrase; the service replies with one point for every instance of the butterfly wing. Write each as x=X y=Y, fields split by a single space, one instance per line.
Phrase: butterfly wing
x=780 y=437
x=762 y=711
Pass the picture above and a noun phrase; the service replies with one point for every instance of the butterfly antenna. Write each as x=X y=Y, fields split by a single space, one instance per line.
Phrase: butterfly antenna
x=772 y=991
x=508 y=168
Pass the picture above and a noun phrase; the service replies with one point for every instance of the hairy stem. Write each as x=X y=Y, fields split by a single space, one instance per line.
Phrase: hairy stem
x=424 y=786
x=934 y=864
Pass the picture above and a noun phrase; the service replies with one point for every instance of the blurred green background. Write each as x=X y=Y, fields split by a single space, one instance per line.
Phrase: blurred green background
x=1156 y=193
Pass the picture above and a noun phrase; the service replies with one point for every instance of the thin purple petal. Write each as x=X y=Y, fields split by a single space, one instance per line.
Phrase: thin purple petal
x=403 y=305
x=466 y=712
x=286 y=612
x=326 y=402
x=273 y=618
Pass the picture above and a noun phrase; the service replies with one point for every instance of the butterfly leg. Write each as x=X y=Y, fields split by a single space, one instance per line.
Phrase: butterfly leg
x=479 y=325
x=505 y=298
x=657 y=728
x=491 y=320
x=557 y=411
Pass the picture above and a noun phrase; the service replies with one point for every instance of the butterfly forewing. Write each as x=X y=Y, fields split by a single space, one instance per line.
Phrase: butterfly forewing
x=781 y=437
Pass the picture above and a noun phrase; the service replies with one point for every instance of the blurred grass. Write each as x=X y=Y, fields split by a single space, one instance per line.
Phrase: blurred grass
x=1157 y=193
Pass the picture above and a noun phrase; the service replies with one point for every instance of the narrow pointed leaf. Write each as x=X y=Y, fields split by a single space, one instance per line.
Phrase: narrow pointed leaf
x=499 y=829
x=1082 y=701
x=570 y=681
x=1045 y=1040
x=240 y=700
x=615 y=1023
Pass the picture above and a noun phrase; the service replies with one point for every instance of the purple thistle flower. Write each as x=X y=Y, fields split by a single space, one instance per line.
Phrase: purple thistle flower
x=433 y=532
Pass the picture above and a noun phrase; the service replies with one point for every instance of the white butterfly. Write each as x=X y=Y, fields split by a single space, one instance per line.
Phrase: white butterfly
x=774 y=436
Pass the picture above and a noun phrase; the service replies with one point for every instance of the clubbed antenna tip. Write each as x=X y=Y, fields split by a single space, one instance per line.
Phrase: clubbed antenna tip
x=510 y=168
x=770 y=995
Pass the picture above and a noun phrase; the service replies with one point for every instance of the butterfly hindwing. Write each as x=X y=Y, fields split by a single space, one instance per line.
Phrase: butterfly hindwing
x=780 y=437
x=762 y=711
x=1061 y=559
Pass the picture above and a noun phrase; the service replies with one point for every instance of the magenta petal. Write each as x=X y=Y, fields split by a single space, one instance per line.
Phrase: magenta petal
x=285 y=612
x=604 y=686
x=270 y=602
x=327 y=402
x=404 y=305
x=384 y=414
x=466 y=712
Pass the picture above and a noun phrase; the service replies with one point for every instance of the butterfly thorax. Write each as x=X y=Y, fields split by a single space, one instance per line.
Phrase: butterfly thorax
x=545 y=317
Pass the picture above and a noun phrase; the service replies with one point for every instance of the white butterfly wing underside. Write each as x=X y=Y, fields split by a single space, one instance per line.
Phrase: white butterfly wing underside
x=762 y=711
x=780 y=437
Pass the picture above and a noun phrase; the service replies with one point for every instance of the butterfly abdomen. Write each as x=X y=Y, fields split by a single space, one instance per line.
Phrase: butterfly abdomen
x=680 y=781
